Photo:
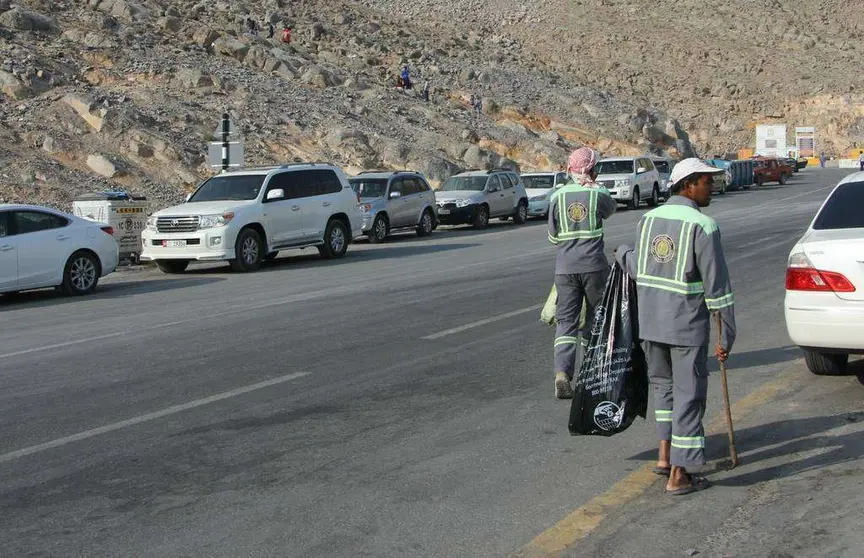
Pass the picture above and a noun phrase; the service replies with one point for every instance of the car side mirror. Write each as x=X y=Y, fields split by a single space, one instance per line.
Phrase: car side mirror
x=640 y=170
x=277 y=194
x=394 y=195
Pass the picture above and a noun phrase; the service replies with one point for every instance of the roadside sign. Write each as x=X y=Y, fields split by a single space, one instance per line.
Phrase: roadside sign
x=236 y=154
x=232 y=131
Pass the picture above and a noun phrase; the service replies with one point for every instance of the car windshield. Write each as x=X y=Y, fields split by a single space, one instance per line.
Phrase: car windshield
x=843 y=208
x=538 y=181
x=369 y=187
x=458 y=183
x=219 y=188
x=615 y=167
x=662 y=166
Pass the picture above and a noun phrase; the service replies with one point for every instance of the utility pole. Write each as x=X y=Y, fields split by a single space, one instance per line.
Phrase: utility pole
x=225 y=134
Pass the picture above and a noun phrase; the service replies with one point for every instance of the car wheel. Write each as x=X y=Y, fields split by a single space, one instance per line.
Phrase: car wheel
x=655 y=197
x=271 y=256
x=378 y=234
x=782 y=179
x=521 y=215
x=248 y=252
x=427 y=224
x=81 y=274
x=481 y=219
x=172 y=266
x=826 y=364
x=635 y=201
x=335 y=240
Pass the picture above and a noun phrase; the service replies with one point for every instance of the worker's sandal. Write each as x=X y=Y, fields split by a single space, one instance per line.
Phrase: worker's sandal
x=563 y=390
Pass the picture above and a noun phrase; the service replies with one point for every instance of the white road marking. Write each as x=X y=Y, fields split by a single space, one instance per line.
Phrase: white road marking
x=147 y=417
x=479 y=323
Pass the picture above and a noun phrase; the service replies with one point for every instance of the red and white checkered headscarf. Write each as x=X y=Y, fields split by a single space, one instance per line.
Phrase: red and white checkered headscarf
x=580 y=164
x=581 y=161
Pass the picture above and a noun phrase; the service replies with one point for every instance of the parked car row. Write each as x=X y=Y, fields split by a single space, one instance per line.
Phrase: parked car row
x=248 y=216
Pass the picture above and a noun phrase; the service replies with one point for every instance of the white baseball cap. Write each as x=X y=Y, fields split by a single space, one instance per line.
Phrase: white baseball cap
x=689 y=167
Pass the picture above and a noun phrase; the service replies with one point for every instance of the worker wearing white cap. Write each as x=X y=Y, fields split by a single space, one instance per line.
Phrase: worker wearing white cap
x=681 y=279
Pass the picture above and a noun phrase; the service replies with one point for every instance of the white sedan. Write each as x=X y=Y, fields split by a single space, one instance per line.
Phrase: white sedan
x=40 y=247
x=825 y=281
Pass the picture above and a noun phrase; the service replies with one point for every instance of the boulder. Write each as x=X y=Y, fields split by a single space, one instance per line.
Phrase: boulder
x=231 y=47
x=13 y=88
x=102 y=166
x=434 y=167
x=171 y=24
x=478 y=158
x=193 y=78
x=85 y=108
x=27 y=20
x=205 y=37
x=256 y=57
x=317 y=77
x=139 y=149
x=341 y=136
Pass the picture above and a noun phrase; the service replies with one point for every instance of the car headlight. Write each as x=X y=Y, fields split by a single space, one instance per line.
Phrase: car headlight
x=465 y=202
x=365 y=207
x=623 y=183
x=212 y=221
x=151 y=223
x=537 y=198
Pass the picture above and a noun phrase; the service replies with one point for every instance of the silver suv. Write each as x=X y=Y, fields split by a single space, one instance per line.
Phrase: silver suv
x=630 y=180
x=474 y=197
x=391 y=201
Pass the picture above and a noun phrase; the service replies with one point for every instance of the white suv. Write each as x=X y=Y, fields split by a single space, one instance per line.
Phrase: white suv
x=630 y=180
x=248 y=216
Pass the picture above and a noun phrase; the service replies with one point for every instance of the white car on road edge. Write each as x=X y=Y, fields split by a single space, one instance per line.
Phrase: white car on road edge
x=539 y=187
x=824 y=303
x=247 y=216
x=41 y=247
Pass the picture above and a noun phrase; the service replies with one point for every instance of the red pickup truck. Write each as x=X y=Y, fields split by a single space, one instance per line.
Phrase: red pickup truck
x=771 y=170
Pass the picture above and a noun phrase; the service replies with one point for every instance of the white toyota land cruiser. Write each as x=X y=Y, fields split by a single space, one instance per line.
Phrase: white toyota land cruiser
x=247 y=216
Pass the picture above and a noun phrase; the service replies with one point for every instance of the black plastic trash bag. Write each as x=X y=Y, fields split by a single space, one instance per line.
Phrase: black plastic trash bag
x=611 y=388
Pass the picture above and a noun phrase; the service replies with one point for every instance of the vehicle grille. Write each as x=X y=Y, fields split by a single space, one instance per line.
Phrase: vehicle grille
x=608 y=184
x=176 y=224
x=447 y=205
x=189 y=242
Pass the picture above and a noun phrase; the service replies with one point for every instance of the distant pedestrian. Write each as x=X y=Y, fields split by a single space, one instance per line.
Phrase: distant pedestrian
x=822 y=159
x=252 y=26
x=426 y=90
x=286 y=35
x=406 y=77
x=270 y=30
x=861 y=161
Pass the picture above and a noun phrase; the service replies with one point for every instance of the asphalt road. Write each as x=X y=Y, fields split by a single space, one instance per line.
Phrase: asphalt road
x=334 y=408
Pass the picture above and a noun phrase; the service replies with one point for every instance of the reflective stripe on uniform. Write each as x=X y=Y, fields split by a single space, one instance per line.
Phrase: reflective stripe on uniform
x=566 y=340
x=688 y=442
x=662 y=416
x=720 y=303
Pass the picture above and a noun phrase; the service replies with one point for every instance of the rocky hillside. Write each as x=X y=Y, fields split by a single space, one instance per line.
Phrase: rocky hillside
x=126 y=94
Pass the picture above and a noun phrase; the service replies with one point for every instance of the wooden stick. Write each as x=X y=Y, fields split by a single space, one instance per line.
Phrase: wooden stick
x=733 y=452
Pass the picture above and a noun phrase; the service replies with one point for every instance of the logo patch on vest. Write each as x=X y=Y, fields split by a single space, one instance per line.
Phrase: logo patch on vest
x=663 y=248
x=577 y=212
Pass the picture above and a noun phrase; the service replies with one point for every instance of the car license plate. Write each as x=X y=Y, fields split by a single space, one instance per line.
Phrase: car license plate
x=174 y=243
x=443 y=212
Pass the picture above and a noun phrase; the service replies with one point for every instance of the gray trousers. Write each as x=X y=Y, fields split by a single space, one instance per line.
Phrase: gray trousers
x=679 y=376
x=573 y=290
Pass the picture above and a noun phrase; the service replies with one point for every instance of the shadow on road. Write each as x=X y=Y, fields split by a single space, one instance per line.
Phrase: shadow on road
x=108 y=291
x=761 y=357
x=309 y=258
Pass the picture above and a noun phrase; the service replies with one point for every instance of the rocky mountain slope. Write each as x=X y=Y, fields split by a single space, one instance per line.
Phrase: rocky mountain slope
x=126 y=94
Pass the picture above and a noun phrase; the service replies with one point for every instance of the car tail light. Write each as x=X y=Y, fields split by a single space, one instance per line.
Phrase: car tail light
x=801 y=275
x=108 y=230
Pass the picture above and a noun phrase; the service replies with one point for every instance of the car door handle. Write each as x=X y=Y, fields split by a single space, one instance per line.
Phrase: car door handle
x=6 y=248
x=327 y=204
x=62 y=237
x=295 y=208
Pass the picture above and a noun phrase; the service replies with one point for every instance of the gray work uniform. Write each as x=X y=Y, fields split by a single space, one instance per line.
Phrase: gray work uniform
x=576 y=215
x=681 y=278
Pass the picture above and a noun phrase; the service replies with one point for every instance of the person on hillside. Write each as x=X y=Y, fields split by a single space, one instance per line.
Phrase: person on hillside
x=270 y=30
x=406 y=77
x=576 y=213
x=286 y=35
x=861 y=161
x=681 y=280
x=426 y=90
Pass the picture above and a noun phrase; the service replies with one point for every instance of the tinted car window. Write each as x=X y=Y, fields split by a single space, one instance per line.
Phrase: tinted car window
x=422 y=185
x=843 y=210
x=279 y=182
x=35 y=221
x=615 y=167
x=222 y=188
x=662 y=166
x=506 y=180
x=308 y=183
x=409 y=187
x=397 y=185
x=458 y=183
x=542 y=181
x=493 y=183
x=4 y=228
x=328 y=182
x=369 y=187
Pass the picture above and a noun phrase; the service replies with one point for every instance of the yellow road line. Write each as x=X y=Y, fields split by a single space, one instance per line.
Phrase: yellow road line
x=581 y=522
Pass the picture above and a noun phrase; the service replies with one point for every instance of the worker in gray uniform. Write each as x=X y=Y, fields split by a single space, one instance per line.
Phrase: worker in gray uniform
x=681 y=279
x=576 y=213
